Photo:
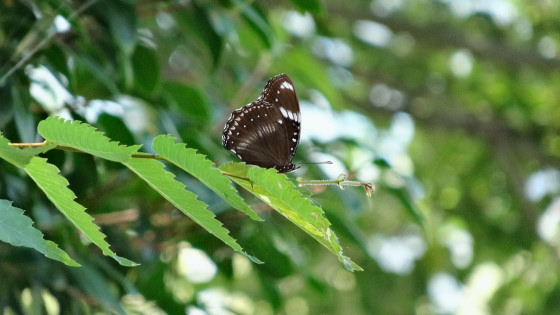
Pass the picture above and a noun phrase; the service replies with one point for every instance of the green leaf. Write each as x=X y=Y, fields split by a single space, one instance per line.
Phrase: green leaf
x=98 y=287
x=257 y=20
x=191 y=101
x=200 y=167
x=311 y=6
x=403 y=196
x=153 y=173
x=55 y=187
x=197 y=22
x=90 y=79
x=20 y=157
x=278 y=192
x=146 y=69
x=122 y=21
x=85 y=138
x=115 y=128
x=23 y=118
x=17 y=229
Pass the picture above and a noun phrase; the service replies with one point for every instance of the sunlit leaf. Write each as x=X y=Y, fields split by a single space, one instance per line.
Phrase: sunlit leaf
x=278 y=192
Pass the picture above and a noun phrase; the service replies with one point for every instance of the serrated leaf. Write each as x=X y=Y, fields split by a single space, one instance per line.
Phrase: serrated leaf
x=20 y=157
x=153 y=173
x=17 y=229
x=200 y=167
x=278 y=192
x=55 y=187
x=81 y=136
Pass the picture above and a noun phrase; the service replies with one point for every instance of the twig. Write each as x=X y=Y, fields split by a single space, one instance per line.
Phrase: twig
x=43 y=43
x=340 y=182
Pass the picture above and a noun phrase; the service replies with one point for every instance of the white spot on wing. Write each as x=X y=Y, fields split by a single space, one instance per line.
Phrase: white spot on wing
x=291 y=115
x=286 y=85
x=279 y=121
x=284 y=112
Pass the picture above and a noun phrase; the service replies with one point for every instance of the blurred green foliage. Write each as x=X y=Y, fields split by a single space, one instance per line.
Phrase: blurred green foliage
x=449 y=107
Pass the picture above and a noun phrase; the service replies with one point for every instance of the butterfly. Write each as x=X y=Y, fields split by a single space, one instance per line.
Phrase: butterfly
x=266 y=132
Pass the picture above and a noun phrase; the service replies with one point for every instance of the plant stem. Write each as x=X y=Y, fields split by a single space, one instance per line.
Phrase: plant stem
x=340 y=182
x=139 y=155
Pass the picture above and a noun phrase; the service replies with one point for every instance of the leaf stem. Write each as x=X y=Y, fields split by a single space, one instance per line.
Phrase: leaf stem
x=139 y=155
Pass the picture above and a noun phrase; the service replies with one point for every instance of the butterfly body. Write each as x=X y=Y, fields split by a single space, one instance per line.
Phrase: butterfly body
x=266 y=132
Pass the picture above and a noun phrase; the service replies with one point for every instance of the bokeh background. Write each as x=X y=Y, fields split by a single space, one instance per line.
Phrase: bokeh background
x=450 y=107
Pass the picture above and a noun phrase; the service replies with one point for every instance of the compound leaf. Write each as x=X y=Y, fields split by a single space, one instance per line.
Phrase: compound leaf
x=200 y=167
x=55 y=187
x=153 y=173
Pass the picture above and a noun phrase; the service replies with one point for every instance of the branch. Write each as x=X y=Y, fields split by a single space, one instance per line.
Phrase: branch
x=43 y=43
x=340 y=181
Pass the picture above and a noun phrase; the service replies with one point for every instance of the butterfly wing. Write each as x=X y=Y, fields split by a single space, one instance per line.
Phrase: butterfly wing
x=266 y=132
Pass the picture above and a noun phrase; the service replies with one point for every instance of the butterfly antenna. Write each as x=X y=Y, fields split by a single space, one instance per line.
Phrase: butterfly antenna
x=324 y=162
